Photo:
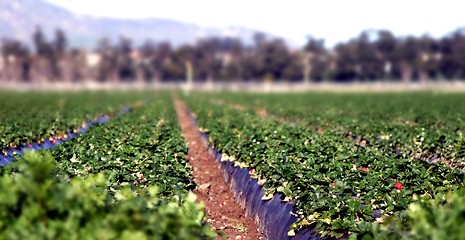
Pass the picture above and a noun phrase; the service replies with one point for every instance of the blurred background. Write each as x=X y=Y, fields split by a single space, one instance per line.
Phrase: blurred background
x=225 y=44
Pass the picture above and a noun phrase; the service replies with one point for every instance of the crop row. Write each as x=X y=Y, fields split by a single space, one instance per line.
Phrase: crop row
x=423 y=126
x=136 y=161
x=36 y=117
x=336 y=186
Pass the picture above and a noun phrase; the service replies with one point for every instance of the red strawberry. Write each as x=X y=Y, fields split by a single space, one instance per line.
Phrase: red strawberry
x=399 y=185
x=333 y=185
x=363 y=169
x=52 y=140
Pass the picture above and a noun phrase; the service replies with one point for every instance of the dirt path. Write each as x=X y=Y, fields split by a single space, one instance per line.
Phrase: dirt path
x=223 y=213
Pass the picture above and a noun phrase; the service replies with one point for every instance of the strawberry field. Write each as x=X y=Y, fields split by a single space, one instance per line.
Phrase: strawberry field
x=123 y=178
x=36 y=117
x=114 y=165
x=343 y=160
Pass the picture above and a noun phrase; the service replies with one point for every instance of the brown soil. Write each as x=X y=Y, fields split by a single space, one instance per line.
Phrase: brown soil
x=223 y=212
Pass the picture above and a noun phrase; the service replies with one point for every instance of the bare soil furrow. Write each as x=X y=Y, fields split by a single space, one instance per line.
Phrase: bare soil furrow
x=223 y=212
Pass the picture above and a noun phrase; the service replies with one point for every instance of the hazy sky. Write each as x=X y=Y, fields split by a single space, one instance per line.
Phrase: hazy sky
x=293 y=19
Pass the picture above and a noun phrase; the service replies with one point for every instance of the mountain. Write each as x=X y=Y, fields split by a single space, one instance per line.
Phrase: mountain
x=19 y=19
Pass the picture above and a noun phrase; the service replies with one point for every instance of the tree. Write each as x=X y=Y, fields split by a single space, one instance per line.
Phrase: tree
x=345 y=62
x=271 y=58
x=60 y=43
x=108 y=68
x=386 y=45
x=452 y=55
x=369 y=65
x=126 y=71
x=427 y=62
x=407 y=53
x=43 y=64
x=314 y=59
x=40 y=42
x=57 y=55
x=17 y=60
x=148 y=51
x=176 y=66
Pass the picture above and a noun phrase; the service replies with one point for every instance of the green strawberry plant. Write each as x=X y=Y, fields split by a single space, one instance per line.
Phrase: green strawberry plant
x=422 y=125
x=35 y=204
x=135 y=173
x=335 y=183
x=33 y=117
x=438 y=217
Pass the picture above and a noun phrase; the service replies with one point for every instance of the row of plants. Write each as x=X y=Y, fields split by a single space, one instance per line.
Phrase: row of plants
x=36 y=204
x=126 y=179
x=438 y=217
x=336 y=186
x=28 y=117
x=427 y=126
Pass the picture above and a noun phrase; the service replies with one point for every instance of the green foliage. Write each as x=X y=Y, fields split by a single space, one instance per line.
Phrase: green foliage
x=102 y=183
x=417 y=125
x=335 y=182
x=35 y=204
x=125 y=179
x=139 y=149
x=440 y=217
x=29 y=117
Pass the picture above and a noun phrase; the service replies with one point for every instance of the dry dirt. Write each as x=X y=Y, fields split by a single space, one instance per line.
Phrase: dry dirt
x=223 y=213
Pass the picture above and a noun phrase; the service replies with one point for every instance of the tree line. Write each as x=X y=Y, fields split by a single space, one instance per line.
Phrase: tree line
x=371 y=56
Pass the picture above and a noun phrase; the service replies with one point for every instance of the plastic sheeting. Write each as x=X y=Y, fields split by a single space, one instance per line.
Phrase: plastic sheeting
x=273 y=216
x=7 y=158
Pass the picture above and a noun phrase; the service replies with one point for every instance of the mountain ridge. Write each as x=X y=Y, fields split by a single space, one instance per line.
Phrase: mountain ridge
x=20 y=18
